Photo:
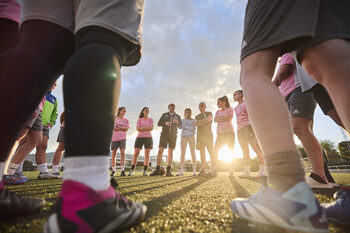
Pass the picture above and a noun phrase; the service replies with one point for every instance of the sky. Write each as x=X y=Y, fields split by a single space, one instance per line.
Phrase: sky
x=191 y=53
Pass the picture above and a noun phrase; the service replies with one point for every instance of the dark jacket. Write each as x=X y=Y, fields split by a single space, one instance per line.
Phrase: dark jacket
x=172 y=129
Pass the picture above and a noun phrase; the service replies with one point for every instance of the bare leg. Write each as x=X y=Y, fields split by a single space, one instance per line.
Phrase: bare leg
x=183 y=153
x=203 y=159
x=255 y=145
x=58 y=154
x=147 y=153
x=114 y=154
x=136 y=155
x=170 y=156
x=40 y=156
x=122 y=157
x=34 y=139
x=335 y=117
x=159 y=155
x=193 y=153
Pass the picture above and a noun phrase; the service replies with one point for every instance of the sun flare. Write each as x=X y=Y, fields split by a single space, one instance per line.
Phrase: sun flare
x=225 y=154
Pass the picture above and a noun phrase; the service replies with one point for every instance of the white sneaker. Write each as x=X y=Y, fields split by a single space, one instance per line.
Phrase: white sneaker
x=194 y=174
x=131 y=173
x=316 y=182
x=180 y=174
x=46 y=175
x=246 y=175
x=145 y=173
x=296 y=209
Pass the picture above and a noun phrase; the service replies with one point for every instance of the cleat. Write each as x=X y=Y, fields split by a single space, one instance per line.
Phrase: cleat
x=122 y=173
x=168 y=173
x=131 y=173
x=316 y=182
x=13 y=180
x=339 y=210
x=145 y=173
x=46 y=175
x=180 y=174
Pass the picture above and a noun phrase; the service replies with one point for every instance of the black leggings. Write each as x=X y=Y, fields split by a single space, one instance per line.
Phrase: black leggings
x=27 y=72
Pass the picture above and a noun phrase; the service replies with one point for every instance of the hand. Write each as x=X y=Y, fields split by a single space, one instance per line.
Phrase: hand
x=167 y=123
x=176 y=121
x=35 y=113
x=49 y=125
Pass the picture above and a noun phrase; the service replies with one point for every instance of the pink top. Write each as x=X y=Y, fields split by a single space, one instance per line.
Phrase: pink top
x=145 y=122
x=241 y=115
x=10 y=9
x=225 y=127
x=41 y=105
x=120 y=134
x=288 y=84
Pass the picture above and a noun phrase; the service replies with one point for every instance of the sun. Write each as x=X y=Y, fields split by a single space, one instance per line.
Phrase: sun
x=225 y=154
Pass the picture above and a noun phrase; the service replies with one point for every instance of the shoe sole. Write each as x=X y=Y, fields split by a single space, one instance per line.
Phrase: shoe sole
x=294 y=228
x=121 y=223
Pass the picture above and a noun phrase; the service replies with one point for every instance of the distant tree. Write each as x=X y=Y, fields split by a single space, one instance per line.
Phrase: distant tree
x=28 y=166
x=302 y=151
x=330 y=150
x=344 y=149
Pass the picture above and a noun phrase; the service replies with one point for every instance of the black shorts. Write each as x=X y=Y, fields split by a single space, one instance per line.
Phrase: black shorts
x=60 y=137
x=245 y=134
x=37 y=125
x=166 y=140
x=204 y=141
x=225 y=139
x=118 y=144
x=146 y=142
x=322 y=98
x=301 y=105
x=293 y=24
x=46 y=131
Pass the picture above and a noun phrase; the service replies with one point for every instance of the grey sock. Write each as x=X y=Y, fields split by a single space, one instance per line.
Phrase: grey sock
x=284 y=169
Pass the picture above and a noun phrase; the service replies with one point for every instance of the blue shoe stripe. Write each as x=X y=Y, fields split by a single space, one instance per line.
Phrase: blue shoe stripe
x=245 y=210
x=262 y=214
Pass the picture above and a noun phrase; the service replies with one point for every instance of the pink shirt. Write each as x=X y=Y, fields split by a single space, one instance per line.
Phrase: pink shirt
x=225 y=127
x=10 y=9
x=41 y=105
x=241 y=115
x=288 y=84
x=142 y=122
x=120 y=134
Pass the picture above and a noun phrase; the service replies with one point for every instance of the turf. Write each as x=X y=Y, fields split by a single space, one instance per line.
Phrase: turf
x=175 y=204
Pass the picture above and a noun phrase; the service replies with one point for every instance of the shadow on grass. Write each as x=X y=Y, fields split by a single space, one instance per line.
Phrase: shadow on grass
x=240 y=190
x=155 y=205
x=326 y=192
x=162 y=181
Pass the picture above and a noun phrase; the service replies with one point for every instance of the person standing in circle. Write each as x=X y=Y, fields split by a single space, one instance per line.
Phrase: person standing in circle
x=144 y=139
x=119 y=140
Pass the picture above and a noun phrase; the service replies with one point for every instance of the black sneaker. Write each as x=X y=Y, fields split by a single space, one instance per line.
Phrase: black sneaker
x=113 y=173
x=168 y=173
x=82 y=209
x=122 y=173
x=14 y=206
x=156 y=173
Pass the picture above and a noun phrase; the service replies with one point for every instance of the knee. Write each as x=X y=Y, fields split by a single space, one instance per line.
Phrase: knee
x=300 y=130
x=312 y=68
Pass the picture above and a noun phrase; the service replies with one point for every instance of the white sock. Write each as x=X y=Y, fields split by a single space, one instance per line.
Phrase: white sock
x=2 y=168
x=55 y=168
x=20 y=167
x=114 y=168
x=89 y=170
x=247 y=169
x=122 y=168
x=12 y=168
x=43 y=168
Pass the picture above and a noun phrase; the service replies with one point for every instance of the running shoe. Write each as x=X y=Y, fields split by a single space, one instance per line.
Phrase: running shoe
x=339 y=210
x=113 y=173
x=131 y=172
x=13 y=179
x=202 y=173
x=246 y=175
x=46 y=175
x=20 y=174
x=194 y=174
x=180 y=173
x=168 y=173
x=157 y=173
x=13 y=206
x=212 y=174
x=57 y=174
x=296 y=209
x=122 y=173
x=82 y=209
x=316 y=182
x=145 y=173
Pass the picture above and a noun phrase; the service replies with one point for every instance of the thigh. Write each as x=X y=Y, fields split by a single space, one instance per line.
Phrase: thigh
x=322 y=98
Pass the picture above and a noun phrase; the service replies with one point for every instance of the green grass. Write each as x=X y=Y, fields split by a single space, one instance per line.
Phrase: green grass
x=175 y=204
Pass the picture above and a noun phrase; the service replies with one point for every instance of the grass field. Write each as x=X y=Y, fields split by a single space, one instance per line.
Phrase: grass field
x=175 y=204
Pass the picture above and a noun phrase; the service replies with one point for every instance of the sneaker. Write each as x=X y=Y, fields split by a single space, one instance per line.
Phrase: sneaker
x=20 y=174
x=82 y=209
x=113 y=173
x=194 y=174
x=168 y=173
x=180 y=173
x=46 y=175
x=157 y=173
x=57 y=174
x=145 y=173
x=296 y=209
x=131 y=173
x=122 y=173
x=13 y=179
x=339 y=210
x=246 y=175
x=202 y=173
x=316 y=182
x=13 y=206
x=212 y=174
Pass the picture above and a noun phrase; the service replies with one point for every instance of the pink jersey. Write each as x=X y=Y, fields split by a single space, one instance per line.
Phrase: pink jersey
x=241 y=115
x=225 y=127
x=41 y=105
x=142 y=122
x=10 y=10
x=288 y=84
x=120 y=134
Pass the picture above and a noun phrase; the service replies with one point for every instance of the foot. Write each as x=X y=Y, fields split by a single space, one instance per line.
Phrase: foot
x=168 y=173
x=296 y=209
x=122 y=173
x=212 y=174
x=245 y=175
x=180 y=173
x=82 y=209
x=339 y=210
x=13 y=179
x=202 y=173
x=20 y=175
x=57 y=174
x=194 y=174
x=13 y=206
x=131 y=173
x=113 y=173
x=46 y=175
x=145 y=173
x=157 y=173
x=316 y=182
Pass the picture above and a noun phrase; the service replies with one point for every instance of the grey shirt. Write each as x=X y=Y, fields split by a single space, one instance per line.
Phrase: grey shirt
x=188 y=128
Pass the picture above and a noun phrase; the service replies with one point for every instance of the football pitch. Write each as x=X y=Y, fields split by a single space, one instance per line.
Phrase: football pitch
x=175 y=204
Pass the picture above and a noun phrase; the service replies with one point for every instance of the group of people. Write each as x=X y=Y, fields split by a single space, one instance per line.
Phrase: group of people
x=171 y=122
x=89 y=41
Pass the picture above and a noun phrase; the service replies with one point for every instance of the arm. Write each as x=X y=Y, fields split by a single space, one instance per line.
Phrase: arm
x=179 y=125
x=161 y=121
x=283 y=72
x=204 y=121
